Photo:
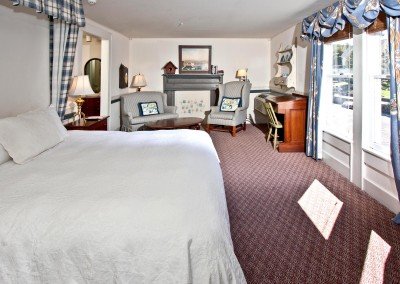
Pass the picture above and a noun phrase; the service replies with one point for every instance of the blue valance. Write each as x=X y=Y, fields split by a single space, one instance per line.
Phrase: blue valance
x=360 y=13
x=69 y=11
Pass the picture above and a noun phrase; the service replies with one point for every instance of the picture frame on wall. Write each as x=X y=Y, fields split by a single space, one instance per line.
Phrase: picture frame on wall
x=123 y=77
x=195 y=59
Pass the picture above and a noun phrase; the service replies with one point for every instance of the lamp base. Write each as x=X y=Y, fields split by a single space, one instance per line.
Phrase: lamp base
x=79 y=102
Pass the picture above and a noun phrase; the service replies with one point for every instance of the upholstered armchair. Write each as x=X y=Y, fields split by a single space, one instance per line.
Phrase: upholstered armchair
x=132 y=119
x=231 y=120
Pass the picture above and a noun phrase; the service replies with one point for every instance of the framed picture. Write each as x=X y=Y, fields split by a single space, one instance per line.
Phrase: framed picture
x=123 y=77
x=195 y=59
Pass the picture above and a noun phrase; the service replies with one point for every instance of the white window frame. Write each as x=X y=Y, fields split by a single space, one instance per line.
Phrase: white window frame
x=327 y=85
x=370 y=102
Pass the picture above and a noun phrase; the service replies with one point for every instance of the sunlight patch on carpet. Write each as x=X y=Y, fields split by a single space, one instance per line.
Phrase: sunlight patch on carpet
x=374 y=265
x=322 y=207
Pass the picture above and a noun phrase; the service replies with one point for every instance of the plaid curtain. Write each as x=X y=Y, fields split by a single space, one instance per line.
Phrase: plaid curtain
x=312 y=142
x=394 y=52
x=66 y=16
x=68 y=11
x=63 y=40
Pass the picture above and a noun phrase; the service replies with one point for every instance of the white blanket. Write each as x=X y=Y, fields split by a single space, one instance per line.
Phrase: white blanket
x=113 y=207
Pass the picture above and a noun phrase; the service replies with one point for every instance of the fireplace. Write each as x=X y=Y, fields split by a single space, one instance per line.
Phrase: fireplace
x=192 y=82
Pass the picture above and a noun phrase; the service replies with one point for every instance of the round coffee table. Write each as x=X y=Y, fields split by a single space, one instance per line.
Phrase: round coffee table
x=175 y=123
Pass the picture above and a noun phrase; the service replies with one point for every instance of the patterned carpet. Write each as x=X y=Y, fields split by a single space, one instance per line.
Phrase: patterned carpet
x=274 y=239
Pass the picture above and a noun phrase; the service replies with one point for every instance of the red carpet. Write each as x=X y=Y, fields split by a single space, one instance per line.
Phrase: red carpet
x=274 y=239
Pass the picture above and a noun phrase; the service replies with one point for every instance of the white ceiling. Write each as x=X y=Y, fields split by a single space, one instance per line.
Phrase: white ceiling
x=201 y=18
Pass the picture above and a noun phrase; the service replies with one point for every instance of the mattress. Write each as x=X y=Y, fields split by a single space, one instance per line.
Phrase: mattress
x=102 y=207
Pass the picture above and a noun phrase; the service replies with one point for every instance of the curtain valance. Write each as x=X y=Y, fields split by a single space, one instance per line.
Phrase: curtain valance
x=68 y=11
x=360 y=13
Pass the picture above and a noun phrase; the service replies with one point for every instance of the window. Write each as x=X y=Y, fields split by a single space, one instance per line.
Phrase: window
x=337 y=88
x=378 y=95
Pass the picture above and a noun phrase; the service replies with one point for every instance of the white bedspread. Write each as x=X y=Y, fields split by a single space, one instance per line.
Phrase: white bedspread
x=113 y=207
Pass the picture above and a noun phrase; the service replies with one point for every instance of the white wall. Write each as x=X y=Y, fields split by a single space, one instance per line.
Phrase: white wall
x=289 y=37
x=24 y=61
x=149 y=55
x=119 y=53
x=90 y=50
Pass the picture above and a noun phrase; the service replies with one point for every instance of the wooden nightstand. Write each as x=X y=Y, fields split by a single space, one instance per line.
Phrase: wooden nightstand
x=91 y=125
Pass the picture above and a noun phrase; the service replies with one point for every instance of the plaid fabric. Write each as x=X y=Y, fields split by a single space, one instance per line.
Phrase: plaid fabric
x=69 y=11
x=63 y=40
x=394 y=50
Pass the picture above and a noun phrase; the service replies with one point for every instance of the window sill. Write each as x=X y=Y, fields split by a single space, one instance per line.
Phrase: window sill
x=378 y=154
x=338 y=136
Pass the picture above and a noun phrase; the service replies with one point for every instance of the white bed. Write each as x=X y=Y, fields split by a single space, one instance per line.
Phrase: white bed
x=104 y=207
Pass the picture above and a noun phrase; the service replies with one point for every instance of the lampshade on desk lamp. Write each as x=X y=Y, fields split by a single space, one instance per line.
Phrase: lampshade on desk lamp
x=80 y=88
x=241 y=74
x=138 y=81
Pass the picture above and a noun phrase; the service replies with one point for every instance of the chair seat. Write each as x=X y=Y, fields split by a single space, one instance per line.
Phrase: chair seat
x=227 y=115
x=150 y=118
x=277 y=124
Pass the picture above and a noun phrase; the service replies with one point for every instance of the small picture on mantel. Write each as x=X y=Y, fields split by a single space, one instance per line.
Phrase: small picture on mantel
x=195 y=59
x=123 y=77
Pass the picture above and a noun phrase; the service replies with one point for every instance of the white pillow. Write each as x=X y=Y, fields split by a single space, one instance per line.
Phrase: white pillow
x=4 y=157
x=29 y=134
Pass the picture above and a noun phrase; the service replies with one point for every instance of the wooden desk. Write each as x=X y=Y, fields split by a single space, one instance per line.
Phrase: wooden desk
x=294 y=109
x=90 y=125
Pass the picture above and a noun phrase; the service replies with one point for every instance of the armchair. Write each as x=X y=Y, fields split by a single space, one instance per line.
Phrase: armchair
x=235 y=120
x=130 y=114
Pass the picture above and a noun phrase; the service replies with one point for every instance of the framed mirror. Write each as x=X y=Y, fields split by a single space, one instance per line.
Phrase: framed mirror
x=93 y=70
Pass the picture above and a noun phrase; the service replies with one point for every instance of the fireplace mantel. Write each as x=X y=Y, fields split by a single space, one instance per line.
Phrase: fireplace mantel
x=191 y=82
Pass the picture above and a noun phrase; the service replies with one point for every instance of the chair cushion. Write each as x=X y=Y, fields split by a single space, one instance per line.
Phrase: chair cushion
x=228 y=115
x=129 y=103
x=149 y=118
x=230 y=104
x=234 y=89
x=148 y=108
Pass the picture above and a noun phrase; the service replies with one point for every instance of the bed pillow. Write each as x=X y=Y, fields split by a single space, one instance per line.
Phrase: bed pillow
x=29 y=134
x=4 y=157
x=149 y=108
x=230 y=104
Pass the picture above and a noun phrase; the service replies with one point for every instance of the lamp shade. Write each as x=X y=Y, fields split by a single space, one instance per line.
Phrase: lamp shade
x=80 y=87
x=241 y=73
x=138 y=81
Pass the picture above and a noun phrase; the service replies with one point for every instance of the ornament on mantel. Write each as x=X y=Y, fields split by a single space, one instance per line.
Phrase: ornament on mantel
x=169 y=68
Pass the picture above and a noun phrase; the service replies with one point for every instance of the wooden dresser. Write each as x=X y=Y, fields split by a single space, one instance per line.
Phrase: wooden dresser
x=91 y=106
x=90 y=125
x=294 y=111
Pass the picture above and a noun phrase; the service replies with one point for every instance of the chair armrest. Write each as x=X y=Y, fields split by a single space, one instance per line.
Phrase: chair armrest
x=170 y=109
x=239 y=109
x=214 y=108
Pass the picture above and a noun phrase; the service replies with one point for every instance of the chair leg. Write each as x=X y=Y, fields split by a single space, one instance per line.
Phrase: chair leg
x=275 y=138
x=233 y=131
x=244 y=126
x=208 y=128
x=269 y=133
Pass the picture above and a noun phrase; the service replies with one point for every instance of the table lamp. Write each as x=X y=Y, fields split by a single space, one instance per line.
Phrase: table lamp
x=241 y=74
x=80 y=87
x=138 y=81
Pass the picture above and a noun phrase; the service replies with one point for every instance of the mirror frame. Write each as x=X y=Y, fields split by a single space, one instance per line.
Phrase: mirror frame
x=85 y=73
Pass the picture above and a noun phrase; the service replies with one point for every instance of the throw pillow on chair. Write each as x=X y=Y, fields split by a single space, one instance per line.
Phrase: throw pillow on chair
x=149 y=108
